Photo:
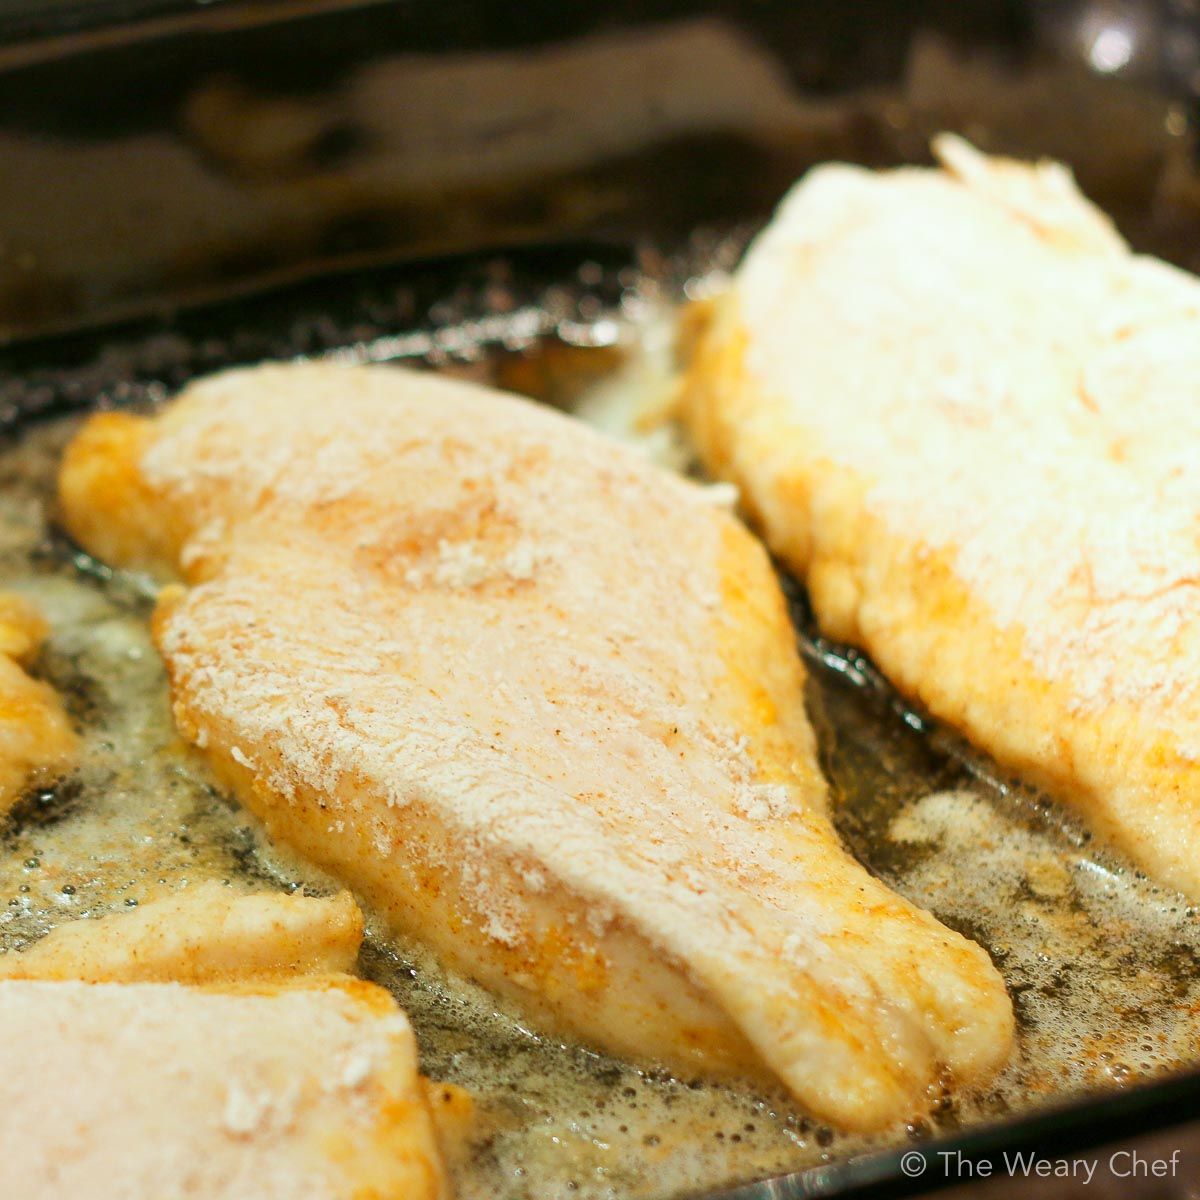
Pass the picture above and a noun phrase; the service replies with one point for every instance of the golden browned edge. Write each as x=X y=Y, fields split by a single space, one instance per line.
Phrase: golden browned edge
x=91 y=951
x=765 y=677
x=98 y=478
x=900 y=600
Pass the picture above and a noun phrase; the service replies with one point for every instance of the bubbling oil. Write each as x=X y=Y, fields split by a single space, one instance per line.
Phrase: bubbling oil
x=1101 y=964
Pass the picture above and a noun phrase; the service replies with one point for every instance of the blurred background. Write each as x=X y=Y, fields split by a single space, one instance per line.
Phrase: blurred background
x=162 y=152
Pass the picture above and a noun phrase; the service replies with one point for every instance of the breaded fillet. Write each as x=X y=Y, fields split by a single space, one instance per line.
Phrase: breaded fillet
x=37 y=742
x=258 y=1092
x=207 y=934
x=967 y=415
x=539 y=703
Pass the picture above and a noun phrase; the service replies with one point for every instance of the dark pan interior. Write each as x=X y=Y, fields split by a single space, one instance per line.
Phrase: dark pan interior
x=209 y=147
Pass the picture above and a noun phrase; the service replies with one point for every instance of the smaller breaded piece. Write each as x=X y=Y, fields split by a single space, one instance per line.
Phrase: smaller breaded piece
x=207 y=934
x=37 y=742
x=267 y=1091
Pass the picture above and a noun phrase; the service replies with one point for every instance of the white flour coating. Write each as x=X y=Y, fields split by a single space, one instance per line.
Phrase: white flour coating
x=467 y=564
x=245 y=1111
x=1017 y=389
x=755 y=800
x=765 y=801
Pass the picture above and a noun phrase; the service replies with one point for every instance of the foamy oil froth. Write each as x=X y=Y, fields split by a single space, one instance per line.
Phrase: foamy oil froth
x=558 y=1119
x=1101 y=964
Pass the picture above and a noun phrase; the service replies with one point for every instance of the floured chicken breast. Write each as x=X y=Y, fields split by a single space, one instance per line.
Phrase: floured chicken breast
x=37 y=742
x=539 y=703
x=259 y=1092
x=206 y=934
x=966 y=414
